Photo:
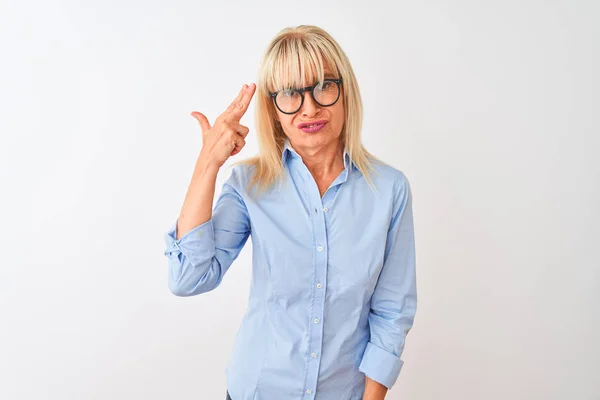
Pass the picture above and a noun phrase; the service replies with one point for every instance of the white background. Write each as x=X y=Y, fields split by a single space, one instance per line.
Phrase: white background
x=489 y=108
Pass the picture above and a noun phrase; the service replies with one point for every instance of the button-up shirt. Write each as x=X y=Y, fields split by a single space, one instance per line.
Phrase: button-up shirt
x=333 y=288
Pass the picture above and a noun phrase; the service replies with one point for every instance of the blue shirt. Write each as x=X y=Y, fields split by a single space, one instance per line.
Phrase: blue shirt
x=333 y=288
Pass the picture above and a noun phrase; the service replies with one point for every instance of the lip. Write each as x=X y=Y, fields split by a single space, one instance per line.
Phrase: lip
x=321 y=121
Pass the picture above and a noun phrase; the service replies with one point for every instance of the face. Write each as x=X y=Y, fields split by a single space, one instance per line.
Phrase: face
x=307 y=139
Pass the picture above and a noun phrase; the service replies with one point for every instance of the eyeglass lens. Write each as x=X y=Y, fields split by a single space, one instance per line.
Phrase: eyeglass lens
x=289 y=100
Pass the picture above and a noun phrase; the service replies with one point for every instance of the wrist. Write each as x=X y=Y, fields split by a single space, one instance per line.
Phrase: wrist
x=204 y=165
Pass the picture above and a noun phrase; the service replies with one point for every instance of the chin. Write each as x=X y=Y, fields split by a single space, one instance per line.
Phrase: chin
x=316 y=137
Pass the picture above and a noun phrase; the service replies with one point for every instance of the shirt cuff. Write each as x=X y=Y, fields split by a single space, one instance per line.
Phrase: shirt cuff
x=194 y=245
x=380 y=365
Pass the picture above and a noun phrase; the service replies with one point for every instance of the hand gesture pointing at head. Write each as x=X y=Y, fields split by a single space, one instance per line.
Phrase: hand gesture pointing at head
x=219 y=142
x=227 y=136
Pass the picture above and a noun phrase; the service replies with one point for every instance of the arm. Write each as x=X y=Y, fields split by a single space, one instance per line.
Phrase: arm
x=374 y=390
x=201 y=246
x=199 y=259
x=197 y=206
x=393 y=304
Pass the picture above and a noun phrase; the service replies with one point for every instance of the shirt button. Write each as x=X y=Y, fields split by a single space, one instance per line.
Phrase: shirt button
x=313 y=355
x=316 y=320
x=308 y=391
x=320 y=248
x=319 y=285
x=325 y=209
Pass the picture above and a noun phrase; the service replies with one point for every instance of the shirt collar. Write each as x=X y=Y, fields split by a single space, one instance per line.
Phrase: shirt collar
x=288 y=151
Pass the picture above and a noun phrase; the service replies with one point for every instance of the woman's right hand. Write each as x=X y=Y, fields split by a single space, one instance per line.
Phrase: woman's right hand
x=227 y=136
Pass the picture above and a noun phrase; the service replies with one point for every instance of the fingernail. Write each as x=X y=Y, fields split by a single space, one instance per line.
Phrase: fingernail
x=245 y=86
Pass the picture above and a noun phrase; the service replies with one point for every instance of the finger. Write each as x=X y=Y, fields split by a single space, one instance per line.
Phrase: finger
x=237 y=143
x=241 y=129
x=234 y=103
x=204 y=124
x=240 y=105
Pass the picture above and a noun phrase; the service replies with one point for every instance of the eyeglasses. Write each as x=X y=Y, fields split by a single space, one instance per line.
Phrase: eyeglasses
x=289 y=101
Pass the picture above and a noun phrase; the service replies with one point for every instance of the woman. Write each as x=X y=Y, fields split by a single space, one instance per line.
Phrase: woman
x=333 y=291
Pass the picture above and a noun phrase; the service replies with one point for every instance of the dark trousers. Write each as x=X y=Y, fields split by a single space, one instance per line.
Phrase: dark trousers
x=228 y=397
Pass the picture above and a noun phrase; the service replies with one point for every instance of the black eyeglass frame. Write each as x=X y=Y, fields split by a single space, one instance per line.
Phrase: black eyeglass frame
x=301 y=91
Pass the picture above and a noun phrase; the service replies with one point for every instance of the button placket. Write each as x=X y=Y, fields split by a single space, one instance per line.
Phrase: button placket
x=315 y=341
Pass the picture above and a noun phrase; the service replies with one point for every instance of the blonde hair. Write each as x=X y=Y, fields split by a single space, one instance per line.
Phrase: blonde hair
x=297 y=57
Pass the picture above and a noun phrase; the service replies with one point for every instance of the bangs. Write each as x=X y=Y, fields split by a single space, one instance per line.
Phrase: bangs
x=297 y=63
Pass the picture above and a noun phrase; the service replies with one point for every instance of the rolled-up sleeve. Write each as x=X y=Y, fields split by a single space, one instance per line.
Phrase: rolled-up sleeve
x=394 y=300
x=201 y=257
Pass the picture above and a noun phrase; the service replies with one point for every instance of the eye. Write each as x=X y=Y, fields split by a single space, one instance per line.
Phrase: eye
x=327 y=86
x=287 y=93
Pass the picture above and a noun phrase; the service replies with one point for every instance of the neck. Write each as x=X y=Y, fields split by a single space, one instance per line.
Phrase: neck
x=325 y=161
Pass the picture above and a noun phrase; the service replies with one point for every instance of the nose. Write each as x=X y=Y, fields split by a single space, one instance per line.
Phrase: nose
x=309 y=106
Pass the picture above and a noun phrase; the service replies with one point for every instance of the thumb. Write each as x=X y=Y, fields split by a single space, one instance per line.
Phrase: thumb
x=202 y=120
